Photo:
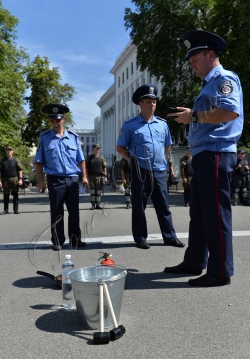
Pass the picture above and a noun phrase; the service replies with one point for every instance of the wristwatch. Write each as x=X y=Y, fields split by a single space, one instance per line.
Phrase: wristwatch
x=194 y=117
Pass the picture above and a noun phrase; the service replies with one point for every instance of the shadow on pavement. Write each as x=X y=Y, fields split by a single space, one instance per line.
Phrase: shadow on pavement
x=62 y=321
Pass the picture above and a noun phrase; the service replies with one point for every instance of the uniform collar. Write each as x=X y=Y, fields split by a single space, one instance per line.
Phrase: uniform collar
x=142 y=119
x=54 y=134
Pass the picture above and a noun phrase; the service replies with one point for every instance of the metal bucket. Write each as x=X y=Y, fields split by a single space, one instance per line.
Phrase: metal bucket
x=86 y=292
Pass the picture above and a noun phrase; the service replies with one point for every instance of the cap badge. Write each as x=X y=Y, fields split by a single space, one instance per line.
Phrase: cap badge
x=151 y=90
x=55 y=109
x=187 y=44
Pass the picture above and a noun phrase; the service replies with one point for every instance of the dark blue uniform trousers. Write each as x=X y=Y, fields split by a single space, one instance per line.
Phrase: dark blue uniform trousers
x=210 y=228
x=144 y=184
x=64 y=189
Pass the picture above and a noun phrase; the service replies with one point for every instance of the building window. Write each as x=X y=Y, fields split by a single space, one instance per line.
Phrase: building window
x=127 y=99
x=132 y=68
x=127 y=73
x=82 y=139
x=119 y=104
x=123 y=100
x=123 y=77
x=82 y=148
x=137 y=66
x=143 y=81
x=93 y=139
x=119 y=81
x=88 y=139
x=138 y=85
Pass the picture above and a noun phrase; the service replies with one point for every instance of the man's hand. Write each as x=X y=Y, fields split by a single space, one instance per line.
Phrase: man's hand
x=182 y=117
x=41 y=187
x=85 y=181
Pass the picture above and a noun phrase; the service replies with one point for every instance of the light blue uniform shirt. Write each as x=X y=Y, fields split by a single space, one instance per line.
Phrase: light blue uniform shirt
x=223 y=90
x=59 y=155
x=146 y=141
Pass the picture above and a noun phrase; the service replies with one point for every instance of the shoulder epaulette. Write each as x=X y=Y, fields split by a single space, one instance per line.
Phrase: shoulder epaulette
x=72 y=133
x=162 y=119
x=45 y=132
x=130 y=119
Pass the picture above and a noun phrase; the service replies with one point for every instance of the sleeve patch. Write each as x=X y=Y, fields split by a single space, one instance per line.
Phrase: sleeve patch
x=225 y=87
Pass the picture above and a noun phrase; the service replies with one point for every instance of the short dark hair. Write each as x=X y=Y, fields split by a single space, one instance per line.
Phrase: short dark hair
x=205 y=52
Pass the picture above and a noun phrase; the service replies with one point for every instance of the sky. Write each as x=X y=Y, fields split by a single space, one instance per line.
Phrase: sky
x=83 y=38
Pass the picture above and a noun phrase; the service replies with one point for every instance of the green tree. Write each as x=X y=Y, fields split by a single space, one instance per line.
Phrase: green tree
x=12 y=86
x=230 y=19
x=45 y=87
x=157 y=29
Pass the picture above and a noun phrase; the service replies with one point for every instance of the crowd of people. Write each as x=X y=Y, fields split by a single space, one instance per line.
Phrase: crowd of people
x=214 y=172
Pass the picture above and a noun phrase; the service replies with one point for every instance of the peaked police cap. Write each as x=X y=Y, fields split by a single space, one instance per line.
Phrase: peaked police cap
x=55 y=111
x=199 y=40
x=144 y=91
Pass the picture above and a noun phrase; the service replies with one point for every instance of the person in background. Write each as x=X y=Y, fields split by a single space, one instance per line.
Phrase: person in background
x=10 y=179
x=97 y=173
x=186 y=173
x=215 y=126
x=126 y=174
x=60 y=154
x=144 y=140
x=239 y=180
x=170 y=171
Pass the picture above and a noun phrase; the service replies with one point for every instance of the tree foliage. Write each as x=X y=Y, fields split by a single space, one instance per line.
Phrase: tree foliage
x=45 y=87
x=157 y=29
x=12 y=86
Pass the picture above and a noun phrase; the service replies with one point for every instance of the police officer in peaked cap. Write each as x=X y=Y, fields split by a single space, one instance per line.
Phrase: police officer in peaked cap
x=215 y=126
x=60 y=155
x=144 y=140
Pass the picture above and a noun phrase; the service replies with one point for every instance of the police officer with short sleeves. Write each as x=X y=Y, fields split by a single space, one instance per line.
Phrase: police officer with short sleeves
x=215 y=126
x=60 y=154
x=144 y=140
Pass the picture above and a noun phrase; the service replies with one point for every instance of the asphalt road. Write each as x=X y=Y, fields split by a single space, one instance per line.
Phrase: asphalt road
x=163 y=316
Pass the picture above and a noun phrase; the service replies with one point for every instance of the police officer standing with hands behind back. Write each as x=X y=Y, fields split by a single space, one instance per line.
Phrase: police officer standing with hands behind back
x=215 y=126
x=144 y=140
x=60 y=153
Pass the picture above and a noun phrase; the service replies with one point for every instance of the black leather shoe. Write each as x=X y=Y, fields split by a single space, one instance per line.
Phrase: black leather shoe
x=175 y=243
x=127 y=206
x=209 y=281
x=4 y=212
x=143 y=245
x=183 y=268
x=16 y=212
x=93 y=207
x=98 y=207
x=56 y=248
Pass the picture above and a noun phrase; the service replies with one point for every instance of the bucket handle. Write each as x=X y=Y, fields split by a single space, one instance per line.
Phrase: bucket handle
x=117 y=276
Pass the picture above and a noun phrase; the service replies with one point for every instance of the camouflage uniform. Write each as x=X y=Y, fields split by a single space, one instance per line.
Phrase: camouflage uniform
x=95 y=166
x=10 y=167
x=125 y=166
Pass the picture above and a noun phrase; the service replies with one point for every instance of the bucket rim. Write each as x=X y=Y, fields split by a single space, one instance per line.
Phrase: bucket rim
x=121 y=275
